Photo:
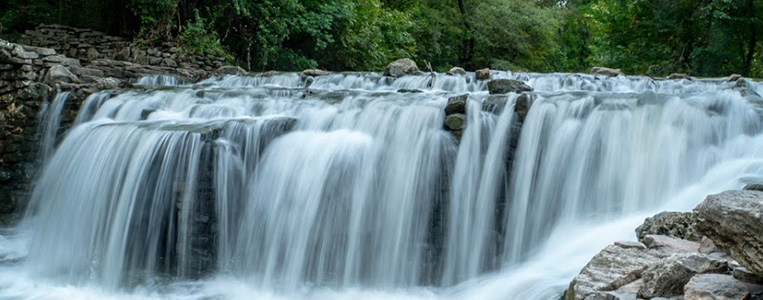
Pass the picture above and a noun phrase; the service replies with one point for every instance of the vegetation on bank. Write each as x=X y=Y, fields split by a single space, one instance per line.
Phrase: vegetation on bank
x=652 y=37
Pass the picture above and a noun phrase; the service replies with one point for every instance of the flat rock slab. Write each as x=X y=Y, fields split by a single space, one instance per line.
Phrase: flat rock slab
x=717 y=286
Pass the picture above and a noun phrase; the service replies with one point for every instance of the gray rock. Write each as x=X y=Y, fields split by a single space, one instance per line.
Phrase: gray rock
x=410 y=91
x=679 y=76
x=108 y=83
x=606 y=71
x=630 y=244
x=482 y=74
x=734 y=77
x=455 y=121
x=669 y=244
x=230 y=70
x=40 y=50
x=613 y=268
x=503 y=86
x=745 y=275
x=315 y=72
x=400 y=67
x=733 y=221
x=674 y=224
x=523 y=106
x=456 y=71
x=92 y=54
x=59 y=73
x=717 y=286
x=495 y=103
x=668 y=279
x=745 y=88
x=456 y=104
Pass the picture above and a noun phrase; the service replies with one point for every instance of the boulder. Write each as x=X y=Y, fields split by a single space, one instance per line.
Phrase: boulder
x=668 y=279
x=456 y=104
x=733 y=221
x=315 y=72
x=455 y=121
x=734 y=77
x=613 y=268
x=745 y=88
x=400 y=67
x=230 y=70
x=456 y=71
x=606 y=71
x=673 y=224
x=59 y=73
x=503 y=86
x=679 y=76
x=482 y=74
x=745 y=275
x=717 y=286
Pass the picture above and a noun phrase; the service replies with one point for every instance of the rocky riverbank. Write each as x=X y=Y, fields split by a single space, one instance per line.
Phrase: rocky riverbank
x=713 y=252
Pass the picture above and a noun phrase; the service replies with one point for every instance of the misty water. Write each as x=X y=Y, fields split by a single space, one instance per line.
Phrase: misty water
x=347 y=187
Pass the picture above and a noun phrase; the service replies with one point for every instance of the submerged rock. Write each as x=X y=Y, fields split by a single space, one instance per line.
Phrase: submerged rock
x=456 y=104
x=503 y=86
x=400 y=67
x=455 y=121
x=732 y=219
x=606 y=71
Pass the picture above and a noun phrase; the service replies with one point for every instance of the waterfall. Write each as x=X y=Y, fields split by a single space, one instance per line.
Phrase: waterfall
x=348 y=186
x=50 y=121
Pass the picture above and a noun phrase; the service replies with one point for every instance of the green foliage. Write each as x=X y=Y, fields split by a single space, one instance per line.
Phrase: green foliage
x=655 y=37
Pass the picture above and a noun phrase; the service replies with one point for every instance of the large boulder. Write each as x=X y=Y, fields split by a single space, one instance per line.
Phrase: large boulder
x=60 y=74
x=734 y=221
x=606 y=71
x=673 y=224
x=400 y=67
x=503 y=86
x=679 y=76
x=717 y=286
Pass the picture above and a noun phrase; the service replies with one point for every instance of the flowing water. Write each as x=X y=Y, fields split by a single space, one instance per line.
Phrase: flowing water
x=347 y=186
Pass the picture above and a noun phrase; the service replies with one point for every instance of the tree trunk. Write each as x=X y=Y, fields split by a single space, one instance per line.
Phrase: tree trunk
x=753 y=40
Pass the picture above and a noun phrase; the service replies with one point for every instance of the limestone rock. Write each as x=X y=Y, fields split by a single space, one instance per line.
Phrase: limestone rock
x=669 y=244
x=230 y=70
x=456 y=104
x=667 y=279
x=482 y=74
x=503 y=86
x=455 y=121
x=606 y=71
x=734 y=221
x=59 y=73
x=315 y=72
x=611 y=269
x=400 y=67
x=717 y=286
x=456 y=71
x=673 y=224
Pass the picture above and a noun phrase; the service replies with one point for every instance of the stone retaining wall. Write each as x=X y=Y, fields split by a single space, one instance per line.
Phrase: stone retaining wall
x=89 y=45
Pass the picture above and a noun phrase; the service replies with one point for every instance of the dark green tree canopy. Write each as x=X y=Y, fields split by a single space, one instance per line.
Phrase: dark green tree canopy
x=653 y=37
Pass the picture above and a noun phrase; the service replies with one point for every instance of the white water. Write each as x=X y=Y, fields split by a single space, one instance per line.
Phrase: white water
x=254 y=187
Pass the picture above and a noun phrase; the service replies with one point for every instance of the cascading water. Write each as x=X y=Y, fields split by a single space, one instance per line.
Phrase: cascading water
x=262 y=187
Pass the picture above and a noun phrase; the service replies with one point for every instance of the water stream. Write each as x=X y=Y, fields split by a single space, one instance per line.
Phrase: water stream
x=347 y=186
